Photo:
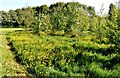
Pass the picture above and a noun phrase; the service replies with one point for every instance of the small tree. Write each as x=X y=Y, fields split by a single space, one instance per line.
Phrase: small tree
x=37 y=23
x=41 y=23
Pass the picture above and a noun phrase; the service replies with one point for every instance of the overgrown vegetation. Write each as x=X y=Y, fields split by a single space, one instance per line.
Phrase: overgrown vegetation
x=62 y=56
x=9 y=65
x=66 y=39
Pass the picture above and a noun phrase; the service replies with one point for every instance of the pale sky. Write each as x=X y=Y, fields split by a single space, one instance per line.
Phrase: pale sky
x=14 y=4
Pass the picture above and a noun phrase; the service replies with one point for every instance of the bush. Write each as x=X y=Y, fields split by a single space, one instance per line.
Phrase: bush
x=61 y=56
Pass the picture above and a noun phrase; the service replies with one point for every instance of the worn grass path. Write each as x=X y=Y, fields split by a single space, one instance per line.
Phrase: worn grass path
x=8 y=64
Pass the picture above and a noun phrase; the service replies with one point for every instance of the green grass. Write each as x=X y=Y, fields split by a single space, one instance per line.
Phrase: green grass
x=10 y=29
x=9 y=65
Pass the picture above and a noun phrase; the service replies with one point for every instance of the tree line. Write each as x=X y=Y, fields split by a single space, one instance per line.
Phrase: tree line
x=70 y=18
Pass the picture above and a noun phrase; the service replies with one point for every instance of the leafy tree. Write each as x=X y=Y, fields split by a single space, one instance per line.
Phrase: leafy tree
x=112 y=23
x=44 y=9
x=91 y=11
x=113 y=32
x=3 y=17
x=101 y=28
x=41 y=23
x=28 y=15
x=57 y=16
x=6 y=19
x=113 y=12
x=19 y=16
x=13 y=18
x=81 y=21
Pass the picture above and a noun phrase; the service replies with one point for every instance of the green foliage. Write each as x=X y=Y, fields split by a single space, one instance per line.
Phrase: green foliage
x=61 y=56
x=15 y=18
x=71 y=40
x=71 y=17
x=112 y=13
x=41 y=23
